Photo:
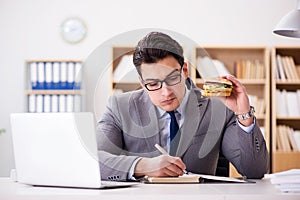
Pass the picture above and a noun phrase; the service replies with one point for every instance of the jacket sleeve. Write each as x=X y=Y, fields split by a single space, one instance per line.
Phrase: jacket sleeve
x=246 y=151
x=114 y=161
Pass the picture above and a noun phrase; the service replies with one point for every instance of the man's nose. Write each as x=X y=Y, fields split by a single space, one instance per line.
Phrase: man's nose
x=165 y=89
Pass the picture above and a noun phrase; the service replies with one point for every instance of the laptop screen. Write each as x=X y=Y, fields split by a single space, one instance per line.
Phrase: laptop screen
x=55 y=149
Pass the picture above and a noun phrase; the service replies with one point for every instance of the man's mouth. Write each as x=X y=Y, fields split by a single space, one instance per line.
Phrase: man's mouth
x=168 y=101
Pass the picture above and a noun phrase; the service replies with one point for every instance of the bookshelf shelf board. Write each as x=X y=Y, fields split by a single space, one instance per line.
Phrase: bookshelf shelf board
x=281 y=118
x=54 y=92
x=288 y=82
x=289 y=86
x=291 y=153
x=53 y=60
x=126 y=82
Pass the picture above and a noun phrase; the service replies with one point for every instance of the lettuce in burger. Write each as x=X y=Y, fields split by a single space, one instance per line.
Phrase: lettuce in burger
x=217 y=87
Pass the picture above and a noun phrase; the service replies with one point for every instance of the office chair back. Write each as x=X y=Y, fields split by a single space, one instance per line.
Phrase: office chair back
x=222 y=166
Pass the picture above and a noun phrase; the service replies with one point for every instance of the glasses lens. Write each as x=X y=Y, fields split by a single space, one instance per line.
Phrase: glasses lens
x=155 y=85
x=173 y=80
x=170 y=81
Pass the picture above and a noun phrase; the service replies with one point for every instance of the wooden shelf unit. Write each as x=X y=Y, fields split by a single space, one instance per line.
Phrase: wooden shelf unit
x=118 y=52
x=78 y=94
x=283 y=160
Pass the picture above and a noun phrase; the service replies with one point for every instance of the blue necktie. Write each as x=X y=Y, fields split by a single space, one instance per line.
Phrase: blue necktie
x=174 y=129
x=173 y=125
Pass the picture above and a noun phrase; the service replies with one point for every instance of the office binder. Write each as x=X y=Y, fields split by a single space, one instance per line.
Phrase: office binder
x=41 y=76
x=39 y=103
x=33 y=75
x=62 y=103
x=54 y=103
x=48 y=76
x=56 y=74
x=47 y=103
x=71 y=76
x=63 y=75
x=70 y=103
x=78 y=74
x=31 y=103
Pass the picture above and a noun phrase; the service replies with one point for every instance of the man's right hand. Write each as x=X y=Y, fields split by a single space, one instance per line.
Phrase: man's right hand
x=163 y=165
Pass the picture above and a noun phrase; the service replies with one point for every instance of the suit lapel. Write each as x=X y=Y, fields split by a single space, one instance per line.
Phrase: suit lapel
x=195 y=108
x=148 y=121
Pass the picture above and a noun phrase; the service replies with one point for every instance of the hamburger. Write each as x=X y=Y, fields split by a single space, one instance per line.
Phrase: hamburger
x=217 y=87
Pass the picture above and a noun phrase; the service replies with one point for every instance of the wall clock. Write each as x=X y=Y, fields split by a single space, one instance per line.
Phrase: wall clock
x=73 y=30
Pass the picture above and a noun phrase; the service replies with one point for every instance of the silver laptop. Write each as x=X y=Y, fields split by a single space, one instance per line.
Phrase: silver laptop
x=57 y=149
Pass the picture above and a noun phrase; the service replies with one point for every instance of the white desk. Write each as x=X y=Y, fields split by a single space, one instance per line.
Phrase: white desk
x=261 y=190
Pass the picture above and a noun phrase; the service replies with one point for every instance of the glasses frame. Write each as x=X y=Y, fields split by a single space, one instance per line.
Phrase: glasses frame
x=165 y=80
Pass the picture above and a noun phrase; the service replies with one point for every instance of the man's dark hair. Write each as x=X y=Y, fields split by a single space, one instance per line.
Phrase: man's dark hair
x=154 y=47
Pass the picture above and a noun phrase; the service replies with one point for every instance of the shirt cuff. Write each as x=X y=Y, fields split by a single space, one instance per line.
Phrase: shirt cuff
x=247 y=129
x=131 y=170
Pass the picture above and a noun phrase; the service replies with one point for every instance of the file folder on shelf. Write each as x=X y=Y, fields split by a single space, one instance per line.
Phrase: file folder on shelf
x=50 y=84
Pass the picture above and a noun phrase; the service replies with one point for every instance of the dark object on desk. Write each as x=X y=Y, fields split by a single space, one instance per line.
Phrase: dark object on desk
x=222 y=166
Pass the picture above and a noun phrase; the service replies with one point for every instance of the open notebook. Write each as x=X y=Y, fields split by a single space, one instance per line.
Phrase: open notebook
x=57 y=149
x=195 y=178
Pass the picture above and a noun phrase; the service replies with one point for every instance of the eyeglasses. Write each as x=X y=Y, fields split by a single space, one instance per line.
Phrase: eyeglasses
x=170 y=80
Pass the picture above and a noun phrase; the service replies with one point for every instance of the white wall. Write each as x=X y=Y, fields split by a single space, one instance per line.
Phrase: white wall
x=30 y=29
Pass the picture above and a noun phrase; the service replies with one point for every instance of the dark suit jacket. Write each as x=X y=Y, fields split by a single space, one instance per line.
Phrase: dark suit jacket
x=129 y=129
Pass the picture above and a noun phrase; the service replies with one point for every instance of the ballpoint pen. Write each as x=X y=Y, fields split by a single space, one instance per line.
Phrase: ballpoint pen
x=164 y=152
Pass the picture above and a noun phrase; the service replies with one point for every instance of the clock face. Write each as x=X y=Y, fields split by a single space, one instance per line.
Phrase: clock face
x=73 y=30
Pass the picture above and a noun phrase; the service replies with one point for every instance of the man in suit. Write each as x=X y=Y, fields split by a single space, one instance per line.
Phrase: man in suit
x=135 y=121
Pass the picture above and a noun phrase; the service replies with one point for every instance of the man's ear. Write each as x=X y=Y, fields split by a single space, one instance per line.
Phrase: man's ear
x=185 y=70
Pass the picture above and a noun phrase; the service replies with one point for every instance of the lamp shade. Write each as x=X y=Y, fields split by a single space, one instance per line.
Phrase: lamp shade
x=289 y=25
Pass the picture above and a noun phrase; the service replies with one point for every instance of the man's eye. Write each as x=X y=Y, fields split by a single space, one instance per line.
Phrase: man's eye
x=153 y=84
x=172 y=78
